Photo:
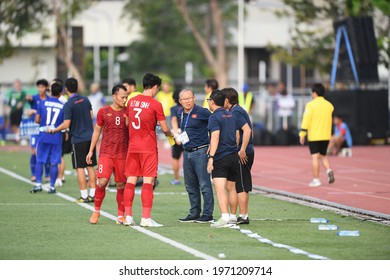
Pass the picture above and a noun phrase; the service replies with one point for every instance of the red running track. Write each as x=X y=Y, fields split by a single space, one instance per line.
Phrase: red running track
x=362 y=181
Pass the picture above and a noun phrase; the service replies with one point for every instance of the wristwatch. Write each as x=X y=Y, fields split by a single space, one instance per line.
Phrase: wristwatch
x=210 y=156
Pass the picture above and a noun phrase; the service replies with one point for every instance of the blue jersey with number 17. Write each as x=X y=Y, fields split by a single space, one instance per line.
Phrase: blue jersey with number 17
x=51 y=113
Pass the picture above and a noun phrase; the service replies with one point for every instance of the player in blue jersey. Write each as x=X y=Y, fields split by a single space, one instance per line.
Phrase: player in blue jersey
x=50 y=113
x=34 y=101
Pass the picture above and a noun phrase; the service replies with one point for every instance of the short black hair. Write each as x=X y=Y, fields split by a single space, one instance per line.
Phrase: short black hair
x=318 y=88
x=212 y=83
x=116 y=88
x=43 y=82
x=59 y=81
x=176 y=95
x=72 y=85
x=129 y=81
x=231 y=94
x=56 y=89
x=150 y=80
x=218 y=97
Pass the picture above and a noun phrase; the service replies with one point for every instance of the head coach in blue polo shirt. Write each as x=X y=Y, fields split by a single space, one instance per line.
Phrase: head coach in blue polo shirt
x=223 y=163
x=193 y=134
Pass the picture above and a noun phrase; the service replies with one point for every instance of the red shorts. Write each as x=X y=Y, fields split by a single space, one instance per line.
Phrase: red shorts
x=108 y=165
x=141 y=164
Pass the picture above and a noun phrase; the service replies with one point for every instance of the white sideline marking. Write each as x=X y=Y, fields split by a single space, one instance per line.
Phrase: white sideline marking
x=164 y=239
x=171 y=242
x=293 y=250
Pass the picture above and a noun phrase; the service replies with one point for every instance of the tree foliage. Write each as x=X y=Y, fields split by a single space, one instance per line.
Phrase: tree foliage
x=312 y=34
x=19 y=17
x=167 y=42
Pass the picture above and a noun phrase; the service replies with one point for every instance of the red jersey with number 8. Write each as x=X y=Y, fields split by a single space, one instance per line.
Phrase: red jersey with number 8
x=115 y=132
x=143 y=112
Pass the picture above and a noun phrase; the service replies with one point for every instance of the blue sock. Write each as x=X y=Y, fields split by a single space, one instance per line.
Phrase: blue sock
x=53 y=174
x=47 y=169
x=39 y=172
x=33 y=161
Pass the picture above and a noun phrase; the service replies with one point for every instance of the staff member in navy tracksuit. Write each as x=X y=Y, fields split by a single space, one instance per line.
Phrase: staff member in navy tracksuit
x=246 y=154
x=223 y=163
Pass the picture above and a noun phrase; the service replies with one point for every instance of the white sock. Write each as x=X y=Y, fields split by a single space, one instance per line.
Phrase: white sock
x=328 y=170
x=232 y=217
x=92 y=192
x=84 y=193
x=244 y=216
x=225 y=216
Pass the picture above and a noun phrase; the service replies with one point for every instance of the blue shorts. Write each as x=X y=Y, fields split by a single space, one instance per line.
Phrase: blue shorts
x=46 y=151
x=34 y=140
x=2 y=122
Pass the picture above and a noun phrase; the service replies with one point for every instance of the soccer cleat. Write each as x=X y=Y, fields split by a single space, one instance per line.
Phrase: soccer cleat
x=120 y=220
x=221 y=224
x=94 y=218
x=204 y=219
x=83 y=200
x=129 y=221
x=36 y=189
x=58 y=182
x=315 y=183
x=91 y=198
x=149 y=223
x=330 y=176
x=189 y=219
x=175 y=182
x=242 y=221
x=51 y=191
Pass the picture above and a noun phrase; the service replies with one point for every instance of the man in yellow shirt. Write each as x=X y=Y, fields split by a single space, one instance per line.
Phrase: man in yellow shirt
x=165 y=97
x=317 y=124
x=209 y=86
x=130 y=86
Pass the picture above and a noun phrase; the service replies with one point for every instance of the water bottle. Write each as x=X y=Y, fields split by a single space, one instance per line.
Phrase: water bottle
x=327 y=227
x=318 y=220
x=22 y=129
x=348 y=233
x=44 y=128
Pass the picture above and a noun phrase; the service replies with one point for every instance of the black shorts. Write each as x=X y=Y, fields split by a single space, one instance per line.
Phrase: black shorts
x=79 y=154
x=226 y=167
x=318 y=147
x=16 y=117
x=66 y=145
x=177 y=151
x=244 y=179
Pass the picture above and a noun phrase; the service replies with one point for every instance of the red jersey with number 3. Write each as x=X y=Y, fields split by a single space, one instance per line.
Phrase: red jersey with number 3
x=143 y=112
x=115 y=132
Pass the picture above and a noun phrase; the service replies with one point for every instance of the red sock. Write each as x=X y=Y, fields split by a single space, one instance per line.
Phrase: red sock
x=147 y=200
x=100 y=193
x=128 y=198
x=120 y=201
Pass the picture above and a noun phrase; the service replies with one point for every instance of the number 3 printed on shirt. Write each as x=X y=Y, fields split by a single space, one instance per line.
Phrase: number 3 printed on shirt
x=138 y=124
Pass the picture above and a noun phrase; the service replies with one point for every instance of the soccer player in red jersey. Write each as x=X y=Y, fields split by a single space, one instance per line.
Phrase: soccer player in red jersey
x=112 y=121
x=143 y=113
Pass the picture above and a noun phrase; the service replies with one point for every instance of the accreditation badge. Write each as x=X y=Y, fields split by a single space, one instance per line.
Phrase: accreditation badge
x=183 y=137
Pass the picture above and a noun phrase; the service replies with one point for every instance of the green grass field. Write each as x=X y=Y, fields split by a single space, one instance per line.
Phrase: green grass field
x=49 y=227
